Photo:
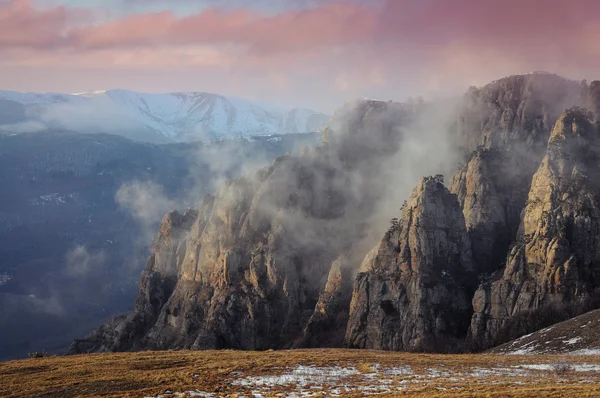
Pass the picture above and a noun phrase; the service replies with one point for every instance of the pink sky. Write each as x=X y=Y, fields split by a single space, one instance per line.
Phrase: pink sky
x=313 y=53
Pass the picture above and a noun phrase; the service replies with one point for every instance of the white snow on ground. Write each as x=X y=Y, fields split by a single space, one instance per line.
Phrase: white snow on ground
x=540 y=346
x=170 y=394
x=572 y=341
x=310 y=381
x=528 y=348
x=510 y=372
x=398 y=371
x=587 y=351
x=302 y=376
x=304 y=381
x=584 y=367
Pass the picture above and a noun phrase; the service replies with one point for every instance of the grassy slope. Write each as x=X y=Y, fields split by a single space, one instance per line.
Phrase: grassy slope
x=579 y=333
x=151 y=373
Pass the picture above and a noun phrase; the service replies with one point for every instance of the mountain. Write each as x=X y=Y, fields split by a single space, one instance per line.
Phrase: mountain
x=77 y=213
x=554 y=260
x=301 y=254
x=157 y=118
x=246 y=269
x=412 y=292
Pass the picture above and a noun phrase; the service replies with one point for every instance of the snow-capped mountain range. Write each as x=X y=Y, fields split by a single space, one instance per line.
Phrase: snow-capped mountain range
x=173 y=117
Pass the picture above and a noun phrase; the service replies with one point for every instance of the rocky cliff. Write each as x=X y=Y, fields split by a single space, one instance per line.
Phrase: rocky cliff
x=555 y=258
x=505 y=126
x=272 y=260
x=267 y=261
x=516 y=111
x=412 y=293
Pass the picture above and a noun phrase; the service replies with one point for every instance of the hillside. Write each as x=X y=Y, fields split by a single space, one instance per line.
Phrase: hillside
x=157 y=118
x=300 y=373
x=579 y=335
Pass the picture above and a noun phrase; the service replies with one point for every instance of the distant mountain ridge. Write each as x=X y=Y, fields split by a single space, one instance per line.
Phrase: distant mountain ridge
x=159 y=118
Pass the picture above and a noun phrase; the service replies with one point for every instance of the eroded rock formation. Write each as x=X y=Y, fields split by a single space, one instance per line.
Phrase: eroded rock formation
x=413 y=291
x=271 y=260
x=556 y=257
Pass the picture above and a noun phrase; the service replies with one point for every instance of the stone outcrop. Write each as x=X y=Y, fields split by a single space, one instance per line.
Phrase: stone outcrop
x=327 y=325
x=269 y=261
x=556 y=257
x=272 y=260
x=516 y=111
x=505 y=126
x=593 y=98
x=492 y=189
x=413 y=291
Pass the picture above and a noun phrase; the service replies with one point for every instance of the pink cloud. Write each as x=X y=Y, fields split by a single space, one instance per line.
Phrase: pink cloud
x=525 y=28
x=22 y=25
x=385 y=48
x=292 y=31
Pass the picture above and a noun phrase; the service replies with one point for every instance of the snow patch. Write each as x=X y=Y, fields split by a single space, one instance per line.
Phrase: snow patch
x=577 y=368
x=300 y=376
x=587 y=351
x=170 y=394
x=312 y=381
x=572 y=341
x=486 y=372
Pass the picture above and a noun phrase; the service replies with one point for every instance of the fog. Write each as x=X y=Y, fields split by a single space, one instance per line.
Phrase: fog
x=337 y=197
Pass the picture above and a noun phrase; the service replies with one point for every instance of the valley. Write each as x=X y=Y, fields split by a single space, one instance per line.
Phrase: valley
x=77 y=215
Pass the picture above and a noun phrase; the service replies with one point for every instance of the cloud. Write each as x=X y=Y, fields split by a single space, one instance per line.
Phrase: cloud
x=24 y=25
x=23 y=127
x=80 y=262
x=145 y=200
x=98 y=116
x=375 y=48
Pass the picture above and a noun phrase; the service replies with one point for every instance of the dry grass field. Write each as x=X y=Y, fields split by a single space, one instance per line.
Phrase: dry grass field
x=300 y=373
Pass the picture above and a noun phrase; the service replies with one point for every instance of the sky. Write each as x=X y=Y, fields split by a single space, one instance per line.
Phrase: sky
x=312 y=53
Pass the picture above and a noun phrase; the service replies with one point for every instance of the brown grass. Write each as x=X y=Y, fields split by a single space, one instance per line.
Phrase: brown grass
x=144 y=374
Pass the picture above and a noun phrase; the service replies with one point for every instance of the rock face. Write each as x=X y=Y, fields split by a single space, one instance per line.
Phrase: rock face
x=556 y=259
x=272 y=260
x=155 y=286
x=505 y=126
x=412 y=293
x=268 y=263
x=593 y=98
x=516 y=111
x=492 y=189
x=327 y=325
